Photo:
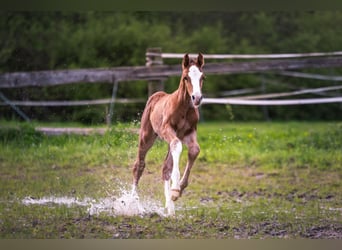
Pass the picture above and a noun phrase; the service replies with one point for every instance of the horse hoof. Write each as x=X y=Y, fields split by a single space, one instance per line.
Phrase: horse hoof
x=169 y=212
x=175 y=194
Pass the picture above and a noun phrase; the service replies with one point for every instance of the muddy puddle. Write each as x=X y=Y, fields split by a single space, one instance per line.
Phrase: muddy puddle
x=126 y=204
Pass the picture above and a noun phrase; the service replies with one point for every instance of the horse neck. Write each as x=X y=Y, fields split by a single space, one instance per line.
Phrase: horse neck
x=183 y=98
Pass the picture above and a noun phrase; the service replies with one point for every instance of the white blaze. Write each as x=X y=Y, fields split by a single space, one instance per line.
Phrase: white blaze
x=195 y=75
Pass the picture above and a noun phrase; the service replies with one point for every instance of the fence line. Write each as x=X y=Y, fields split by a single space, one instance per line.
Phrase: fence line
x=74 y=103
x=295 y=88
x=119 y=74
x=239 y=91
x=159 y=72
x=206 y=101
x=310 y=76
x=317 y=91
x=297 y=92
x=271 y=102
x=247 y=56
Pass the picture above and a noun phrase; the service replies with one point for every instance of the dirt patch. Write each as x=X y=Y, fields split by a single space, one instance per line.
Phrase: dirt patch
x=78 y=131
x=263 y=193
x=324 y=232
x=269 y=229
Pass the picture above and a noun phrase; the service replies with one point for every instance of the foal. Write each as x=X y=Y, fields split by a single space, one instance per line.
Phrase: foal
x=173 y=117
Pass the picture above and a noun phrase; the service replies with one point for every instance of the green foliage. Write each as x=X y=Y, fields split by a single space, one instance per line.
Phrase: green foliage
x=22 y=136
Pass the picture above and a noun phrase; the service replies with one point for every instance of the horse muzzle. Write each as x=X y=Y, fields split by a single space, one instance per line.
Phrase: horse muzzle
x=196 y=99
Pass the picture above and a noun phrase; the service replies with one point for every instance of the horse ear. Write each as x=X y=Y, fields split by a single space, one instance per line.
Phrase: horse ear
x=186 y=61
x=200 y=60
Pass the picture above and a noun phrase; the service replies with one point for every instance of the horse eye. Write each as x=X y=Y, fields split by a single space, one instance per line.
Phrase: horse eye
x=186 y=78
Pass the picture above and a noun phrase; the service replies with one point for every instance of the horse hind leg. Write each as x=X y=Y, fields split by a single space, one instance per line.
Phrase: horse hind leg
x=146 y=140
x=193 y=151
x=167 y=166
x=138 y=169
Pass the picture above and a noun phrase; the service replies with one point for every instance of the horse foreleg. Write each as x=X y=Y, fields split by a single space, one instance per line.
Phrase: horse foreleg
x=169 y=204
x=172 y=190
x=176 y=150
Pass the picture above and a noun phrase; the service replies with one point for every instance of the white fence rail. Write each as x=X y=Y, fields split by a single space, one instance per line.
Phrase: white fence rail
x=248 y=56
x=271 y=102
x=74 y=103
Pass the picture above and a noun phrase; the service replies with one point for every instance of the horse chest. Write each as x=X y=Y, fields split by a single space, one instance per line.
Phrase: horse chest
x=183 y=123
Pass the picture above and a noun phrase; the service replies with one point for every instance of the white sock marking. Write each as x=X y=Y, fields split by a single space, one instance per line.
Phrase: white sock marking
x=169 y=205
x=176 y=150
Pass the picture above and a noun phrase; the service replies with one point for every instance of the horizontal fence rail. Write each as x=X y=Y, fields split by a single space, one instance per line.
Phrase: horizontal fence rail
x=248 y=100
x=118 y=74
x=247 y=56
x=74 y=103
x=141 y=100
x=310 y=76
x=297 y=92
x=271 y=102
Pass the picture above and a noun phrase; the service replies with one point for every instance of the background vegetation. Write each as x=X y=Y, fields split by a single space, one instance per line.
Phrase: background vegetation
x=67 y=40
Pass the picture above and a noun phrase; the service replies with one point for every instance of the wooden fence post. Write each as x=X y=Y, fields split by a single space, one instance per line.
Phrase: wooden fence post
x=154 y=58
x=112 y=103
x=264 y=108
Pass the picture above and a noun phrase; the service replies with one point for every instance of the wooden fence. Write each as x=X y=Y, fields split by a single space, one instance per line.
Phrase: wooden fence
x=155 y=72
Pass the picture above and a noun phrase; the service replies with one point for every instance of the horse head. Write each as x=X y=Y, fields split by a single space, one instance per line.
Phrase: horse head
x=193 y=78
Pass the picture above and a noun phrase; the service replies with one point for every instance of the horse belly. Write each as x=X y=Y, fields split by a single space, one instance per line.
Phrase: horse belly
x=157 y=111
x=156 y=121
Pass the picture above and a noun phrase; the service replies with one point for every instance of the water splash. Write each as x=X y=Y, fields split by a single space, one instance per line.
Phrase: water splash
x=127 y=204
x=68 y=201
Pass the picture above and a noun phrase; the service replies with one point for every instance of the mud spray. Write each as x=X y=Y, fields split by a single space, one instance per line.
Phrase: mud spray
x=125 y=204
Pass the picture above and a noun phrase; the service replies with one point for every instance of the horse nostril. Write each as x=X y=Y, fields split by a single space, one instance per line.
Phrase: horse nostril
x=193 y=97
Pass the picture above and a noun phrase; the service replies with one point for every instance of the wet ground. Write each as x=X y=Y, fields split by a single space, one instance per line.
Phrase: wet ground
x=128 y=206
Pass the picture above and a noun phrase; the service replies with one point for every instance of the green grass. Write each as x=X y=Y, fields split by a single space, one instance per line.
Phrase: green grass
x=251 y=180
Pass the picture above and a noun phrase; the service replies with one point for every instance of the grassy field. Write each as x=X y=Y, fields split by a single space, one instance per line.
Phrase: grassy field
x=251 y=180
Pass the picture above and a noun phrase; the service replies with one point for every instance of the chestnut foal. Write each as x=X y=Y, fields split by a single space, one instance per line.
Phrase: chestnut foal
x=173 y=117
